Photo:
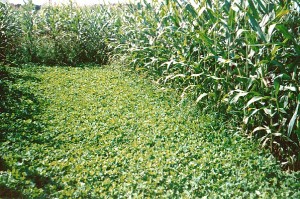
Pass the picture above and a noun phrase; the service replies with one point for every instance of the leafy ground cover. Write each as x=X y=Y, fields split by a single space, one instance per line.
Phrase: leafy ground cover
x=104 y=132
x=238 y=57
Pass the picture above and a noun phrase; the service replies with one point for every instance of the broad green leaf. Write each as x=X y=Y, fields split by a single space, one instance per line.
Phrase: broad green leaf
x=253 y=9
x=205 y=39
x=282 y=13
x=274 y=51
x=276 y=86
x=255 y=26
x=231 y=18
x=284 y=31
x=191 y=10
x=262 y=6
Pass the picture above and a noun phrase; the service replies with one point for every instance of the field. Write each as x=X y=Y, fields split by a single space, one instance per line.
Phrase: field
x=162 y=99
x=106 y=132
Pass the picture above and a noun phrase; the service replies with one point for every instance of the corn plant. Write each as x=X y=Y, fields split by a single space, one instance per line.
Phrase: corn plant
x=242 y=56
x=65 y=34
x=239 y=58
x=9 y=33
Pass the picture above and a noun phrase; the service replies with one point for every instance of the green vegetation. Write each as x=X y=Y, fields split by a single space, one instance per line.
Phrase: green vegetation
x=105 y=132
x=66 y=35
x=83 y=132
x=239 y=58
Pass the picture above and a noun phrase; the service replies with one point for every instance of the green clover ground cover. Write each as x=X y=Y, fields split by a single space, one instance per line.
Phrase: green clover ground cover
x=106 y=132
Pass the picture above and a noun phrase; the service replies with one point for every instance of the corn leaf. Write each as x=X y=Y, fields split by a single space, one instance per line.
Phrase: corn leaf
x=293 y=120
x=255 y=26
x=201 y=96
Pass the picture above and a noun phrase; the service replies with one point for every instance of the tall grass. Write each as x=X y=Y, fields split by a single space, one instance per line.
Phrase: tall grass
x=8 y=32
x=65 y=34
x=239 y=58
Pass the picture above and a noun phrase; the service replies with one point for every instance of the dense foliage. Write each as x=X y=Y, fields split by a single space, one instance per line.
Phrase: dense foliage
x=108 y=133
x=240 y=58
x=67 y=35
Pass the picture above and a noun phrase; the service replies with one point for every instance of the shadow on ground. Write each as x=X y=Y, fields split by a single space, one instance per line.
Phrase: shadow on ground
x=19 y=110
